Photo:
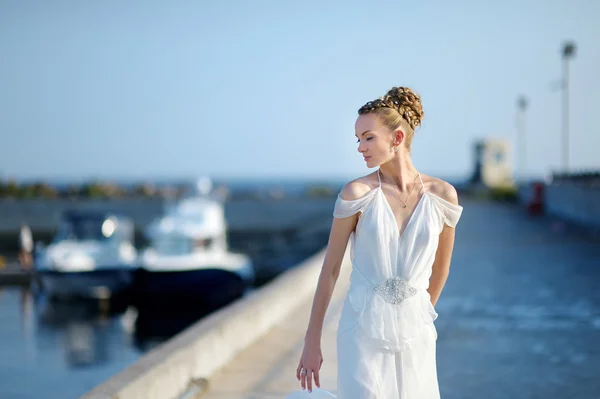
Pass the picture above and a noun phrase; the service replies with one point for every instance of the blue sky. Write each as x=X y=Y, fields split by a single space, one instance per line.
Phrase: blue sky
x=132 y=89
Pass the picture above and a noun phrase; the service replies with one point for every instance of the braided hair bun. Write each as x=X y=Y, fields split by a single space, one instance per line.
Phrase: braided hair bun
x=402 y=99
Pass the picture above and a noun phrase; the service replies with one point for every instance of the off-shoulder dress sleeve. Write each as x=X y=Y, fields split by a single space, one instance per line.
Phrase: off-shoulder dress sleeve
x=450 y=212
x=345 y=208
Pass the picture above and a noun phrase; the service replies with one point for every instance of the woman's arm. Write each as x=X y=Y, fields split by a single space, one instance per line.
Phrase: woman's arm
x=441 y=264
x=443 y=255
x=339 y=235
x=338 y=241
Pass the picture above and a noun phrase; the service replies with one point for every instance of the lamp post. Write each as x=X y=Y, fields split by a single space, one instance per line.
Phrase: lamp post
x=521 y=108
x=568 y=51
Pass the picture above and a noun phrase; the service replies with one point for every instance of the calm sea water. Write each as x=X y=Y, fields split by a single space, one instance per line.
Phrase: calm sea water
x=64 y=349
x=59 y=351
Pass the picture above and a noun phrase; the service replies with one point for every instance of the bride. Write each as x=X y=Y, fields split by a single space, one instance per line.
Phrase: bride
x=401 y=227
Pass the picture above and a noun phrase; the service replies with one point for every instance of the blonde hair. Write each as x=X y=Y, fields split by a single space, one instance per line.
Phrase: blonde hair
x=399 y=108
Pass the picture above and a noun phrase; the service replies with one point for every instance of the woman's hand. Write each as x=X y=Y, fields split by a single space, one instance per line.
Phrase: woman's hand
x=311 y=361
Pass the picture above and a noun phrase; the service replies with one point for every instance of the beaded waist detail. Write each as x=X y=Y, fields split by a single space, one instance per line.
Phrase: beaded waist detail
x=391 y=314
x=394 y=290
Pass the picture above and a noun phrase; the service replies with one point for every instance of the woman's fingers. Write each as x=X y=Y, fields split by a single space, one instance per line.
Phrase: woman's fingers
x=309 y=375
x=298 y=371
x=306 y=376
x=303 y=380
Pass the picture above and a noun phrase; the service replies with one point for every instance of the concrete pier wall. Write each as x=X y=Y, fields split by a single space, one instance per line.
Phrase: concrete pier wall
x=44 y=215
x=577 y=203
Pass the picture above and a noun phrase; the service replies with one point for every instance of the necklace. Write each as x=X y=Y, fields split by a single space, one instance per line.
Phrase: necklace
x=411 y=190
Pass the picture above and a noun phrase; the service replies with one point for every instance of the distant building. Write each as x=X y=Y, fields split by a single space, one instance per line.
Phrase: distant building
x=493 y=163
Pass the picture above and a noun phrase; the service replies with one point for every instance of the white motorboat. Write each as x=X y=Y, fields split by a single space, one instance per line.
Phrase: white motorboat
x=188 y=258
x=92 y=255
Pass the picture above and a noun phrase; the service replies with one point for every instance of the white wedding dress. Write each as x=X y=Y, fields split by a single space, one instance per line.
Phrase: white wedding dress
x=386 y=339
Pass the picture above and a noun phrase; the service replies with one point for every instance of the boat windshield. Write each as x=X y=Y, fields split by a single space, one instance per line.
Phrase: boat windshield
x=172 y=245
x=86 y=229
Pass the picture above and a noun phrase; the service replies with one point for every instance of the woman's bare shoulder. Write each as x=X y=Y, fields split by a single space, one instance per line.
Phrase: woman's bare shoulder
x=441 y=188
x=357 y=188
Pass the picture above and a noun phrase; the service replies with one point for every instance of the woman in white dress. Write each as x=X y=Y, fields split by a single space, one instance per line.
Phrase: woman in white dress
x=401 y=227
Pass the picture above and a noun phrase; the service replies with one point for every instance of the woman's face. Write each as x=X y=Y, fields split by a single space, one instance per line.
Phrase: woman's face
x=374 y=140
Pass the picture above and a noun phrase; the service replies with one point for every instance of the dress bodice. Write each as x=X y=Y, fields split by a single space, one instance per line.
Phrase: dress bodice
x=391 y=270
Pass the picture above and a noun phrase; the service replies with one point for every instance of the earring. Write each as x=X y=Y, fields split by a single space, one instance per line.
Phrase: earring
x=395 y=149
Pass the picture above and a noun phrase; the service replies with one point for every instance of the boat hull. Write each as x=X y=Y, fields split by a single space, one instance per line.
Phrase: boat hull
x=88 y=284
x=207 y=288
